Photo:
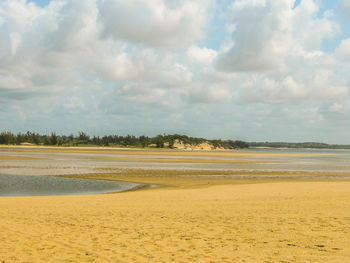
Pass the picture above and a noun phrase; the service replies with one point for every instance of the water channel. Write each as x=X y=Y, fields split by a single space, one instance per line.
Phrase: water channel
x=19 y=185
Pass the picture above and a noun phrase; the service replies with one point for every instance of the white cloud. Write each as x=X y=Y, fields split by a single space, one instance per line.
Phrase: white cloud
x=8 y=81
x=309 y=114
x=269 y=90
x=267 y=32
x=202 y=55
x=165 y=24
x=343 y=51
x=345 y=7
x=113 y=59
x=316 y=85
x=337 y=107
x=340 y=107
x=277 y=53
x=74 y=104
x=141 y=94
x=211 y=94
x=253 y=48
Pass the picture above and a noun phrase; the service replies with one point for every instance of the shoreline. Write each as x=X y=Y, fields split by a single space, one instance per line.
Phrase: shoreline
x=93 y=147
x=154 y=151
x=165 y=149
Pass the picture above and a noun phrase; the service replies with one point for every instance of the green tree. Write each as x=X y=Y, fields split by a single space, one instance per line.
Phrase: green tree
x=83 y=138
x=53 y=139
x=47 y=140
x=144 y=141
x=159 y=141
x=7 y=138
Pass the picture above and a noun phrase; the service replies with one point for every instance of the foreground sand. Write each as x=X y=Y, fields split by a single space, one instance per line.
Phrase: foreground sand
x=265 y=222
x=213 y=207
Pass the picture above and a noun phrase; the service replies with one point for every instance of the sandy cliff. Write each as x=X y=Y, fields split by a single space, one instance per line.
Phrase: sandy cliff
x=206 y=146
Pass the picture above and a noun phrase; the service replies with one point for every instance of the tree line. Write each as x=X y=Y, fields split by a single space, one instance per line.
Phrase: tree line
x=159 y=141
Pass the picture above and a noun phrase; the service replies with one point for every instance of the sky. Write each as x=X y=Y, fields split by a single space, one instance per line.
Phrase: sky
x=254 y=70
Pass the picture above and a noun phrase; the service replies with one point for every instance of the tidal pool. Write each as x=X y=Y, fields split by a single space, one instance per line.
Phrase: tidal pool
x=19 y=185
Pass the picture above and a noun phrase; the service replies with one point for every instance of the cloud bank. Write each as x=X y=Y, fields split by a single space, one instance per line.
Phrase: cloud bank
x=147 y=67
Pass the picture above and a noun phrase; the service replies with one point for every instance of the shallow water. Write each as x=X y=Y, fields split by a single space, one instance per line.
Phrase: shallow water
x=18 y=185
x=58 y=163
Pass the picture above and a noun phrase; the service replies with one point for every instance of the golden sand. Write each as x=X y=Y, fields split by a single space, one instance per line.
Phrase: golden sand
x=194 y=178
x=268 y=222
x=194 y=217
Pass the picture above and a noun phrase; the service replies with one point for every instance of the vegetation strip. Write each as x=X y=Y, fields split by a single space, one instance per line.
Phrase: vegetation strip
x=159 y=141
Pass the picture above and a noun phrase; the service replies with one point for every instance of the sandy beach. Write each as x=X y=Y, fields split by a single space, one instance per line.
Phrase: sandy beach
x=194 y=217
x=187 y=131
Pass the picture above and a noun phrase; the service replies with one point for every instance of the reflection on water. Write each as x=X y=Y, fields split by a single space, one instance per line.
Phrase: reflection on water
x=17 y=185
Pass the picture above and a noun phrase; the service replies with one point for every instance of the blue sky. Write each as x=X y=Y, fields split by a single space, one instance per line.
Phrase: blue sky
x=41 y=3
x=254 y=70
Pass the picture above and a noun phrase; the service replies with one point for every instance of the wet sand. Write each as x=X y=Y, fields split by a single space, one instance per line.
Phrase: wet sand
x=195 y=217
x=59 y=161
